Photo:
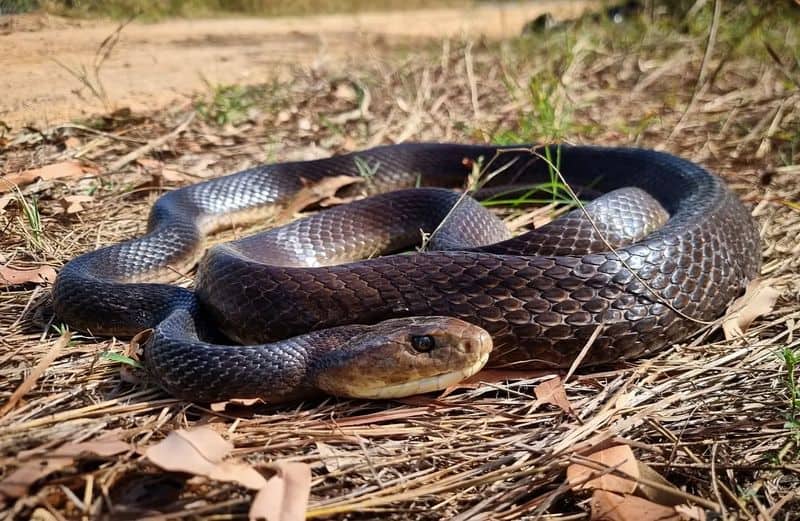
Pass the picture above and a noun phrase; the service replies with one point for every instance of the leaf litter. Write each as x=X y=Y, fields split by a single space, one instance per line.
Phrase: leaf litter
x=202 y=451
x=15 y=277
x=758 y=300
x=64 y=169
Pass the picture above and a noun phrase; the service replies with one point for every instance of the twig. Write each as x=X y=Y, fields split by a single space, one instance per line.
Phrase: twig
x=95 y=85
x=713 y=471
x=584 y=351
x=144 y=149
x=473 y=86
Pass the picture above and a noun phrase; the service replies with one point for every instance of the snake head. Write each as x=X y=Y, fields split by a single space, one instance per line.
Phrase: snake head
x=403 y=357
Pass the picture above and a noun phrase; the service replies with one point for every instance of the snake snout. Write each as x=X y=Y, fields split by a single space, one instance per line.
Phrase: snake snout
x=406 y=356
x=479 y=342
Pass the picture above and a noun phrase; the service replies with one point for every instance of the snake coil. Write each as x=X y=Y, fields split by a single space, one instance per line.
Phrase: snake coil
x=540 y=295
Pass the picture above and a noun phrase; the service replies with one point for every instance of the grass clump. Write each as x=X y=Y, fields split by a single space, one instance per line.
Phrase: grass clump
x=230 y=104
x=17 y=6
x=31 y=221
x=233 y=104
x=791 y=360
x=544 y=118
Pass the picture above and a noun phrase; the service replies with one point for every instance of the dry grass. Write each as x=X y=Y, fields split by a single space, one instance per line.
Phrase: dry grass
x=715 y=417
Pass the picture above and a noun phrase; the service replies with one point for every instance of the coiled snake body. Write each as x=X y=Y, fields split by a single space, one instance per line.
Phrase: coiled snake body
x=540 y=296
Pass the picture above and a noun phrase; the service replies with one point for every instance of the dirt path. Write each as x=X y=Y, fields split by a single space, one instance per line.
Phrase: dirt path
x=156 y=64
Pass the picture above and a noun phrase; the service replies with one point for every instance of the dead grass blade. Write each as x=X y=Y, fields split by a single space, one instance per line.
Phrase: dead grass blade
x=36 y=373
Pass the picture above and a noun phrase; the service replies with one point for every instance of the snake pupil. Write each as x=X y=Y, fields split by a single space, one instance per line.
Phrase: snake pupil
x=423 y=343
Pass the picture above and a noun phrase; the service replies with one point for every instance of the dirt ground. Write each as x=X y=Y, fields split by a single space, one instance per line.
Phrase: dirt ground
x=155 y=64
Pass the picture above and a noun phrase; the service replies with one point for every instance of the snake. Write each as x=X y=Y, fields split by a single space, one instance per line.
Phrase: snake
x=346 y=301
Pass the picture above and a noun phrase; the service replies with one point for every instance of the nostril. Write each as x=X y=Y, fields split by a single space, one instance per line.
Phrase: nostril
x=478 y=343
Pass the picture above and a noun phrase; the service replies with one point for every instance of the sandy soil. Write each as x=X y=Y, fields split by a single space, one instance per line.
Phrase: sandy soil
x=153 y=65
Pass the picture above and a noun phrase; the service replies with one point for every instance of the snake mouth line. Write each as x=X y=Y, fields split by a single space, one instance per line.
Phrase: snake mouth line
x=428 y=384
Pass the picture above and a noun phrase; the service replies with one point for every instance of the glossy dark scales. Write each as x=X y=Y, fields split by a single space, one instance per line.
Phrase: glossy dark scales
x=540 y=295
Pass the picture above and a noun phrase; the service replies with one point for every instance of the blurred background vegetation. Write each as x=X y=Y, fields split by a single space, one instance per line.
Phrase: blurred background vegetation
x=154 y=9
x=157 y=9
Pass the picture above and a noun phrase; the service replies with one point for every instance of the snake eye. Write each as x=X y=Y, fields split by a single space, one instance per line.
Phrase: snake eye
x=423 y=343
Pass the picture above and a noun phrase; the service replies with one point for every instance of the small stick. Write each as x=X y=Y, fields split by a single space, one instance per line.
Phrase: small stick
x=142 y=150
x=473 y=86
x=584 y=352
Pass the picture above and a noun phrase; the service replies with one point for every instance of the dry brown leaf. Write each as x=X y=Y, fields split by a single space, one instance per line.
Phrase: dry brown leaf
x=241 y=402
x=173 y=176
x=54 y=171
x=202 y=442
x=241 y=473
x=108 y=444
x=102 y=447
x=335 y=459
x=668 y=494
x=552 y=391
x=15 y=277
x=285 y=496
x=149 y=164
x=758 y=299
x=345 y=90
x=71 y=143
x=72 y=203
x=200 y=451
x=324 y=190
x=5 y=199
x=619 y=457
x=160 y=175
x=691 y=513
x=134 y=347
x=607 y=506
x=19 y=481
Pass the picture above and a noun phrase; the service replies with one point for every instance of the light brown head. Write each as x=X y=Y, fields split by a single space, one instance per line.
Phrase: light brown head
x=403 y=357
